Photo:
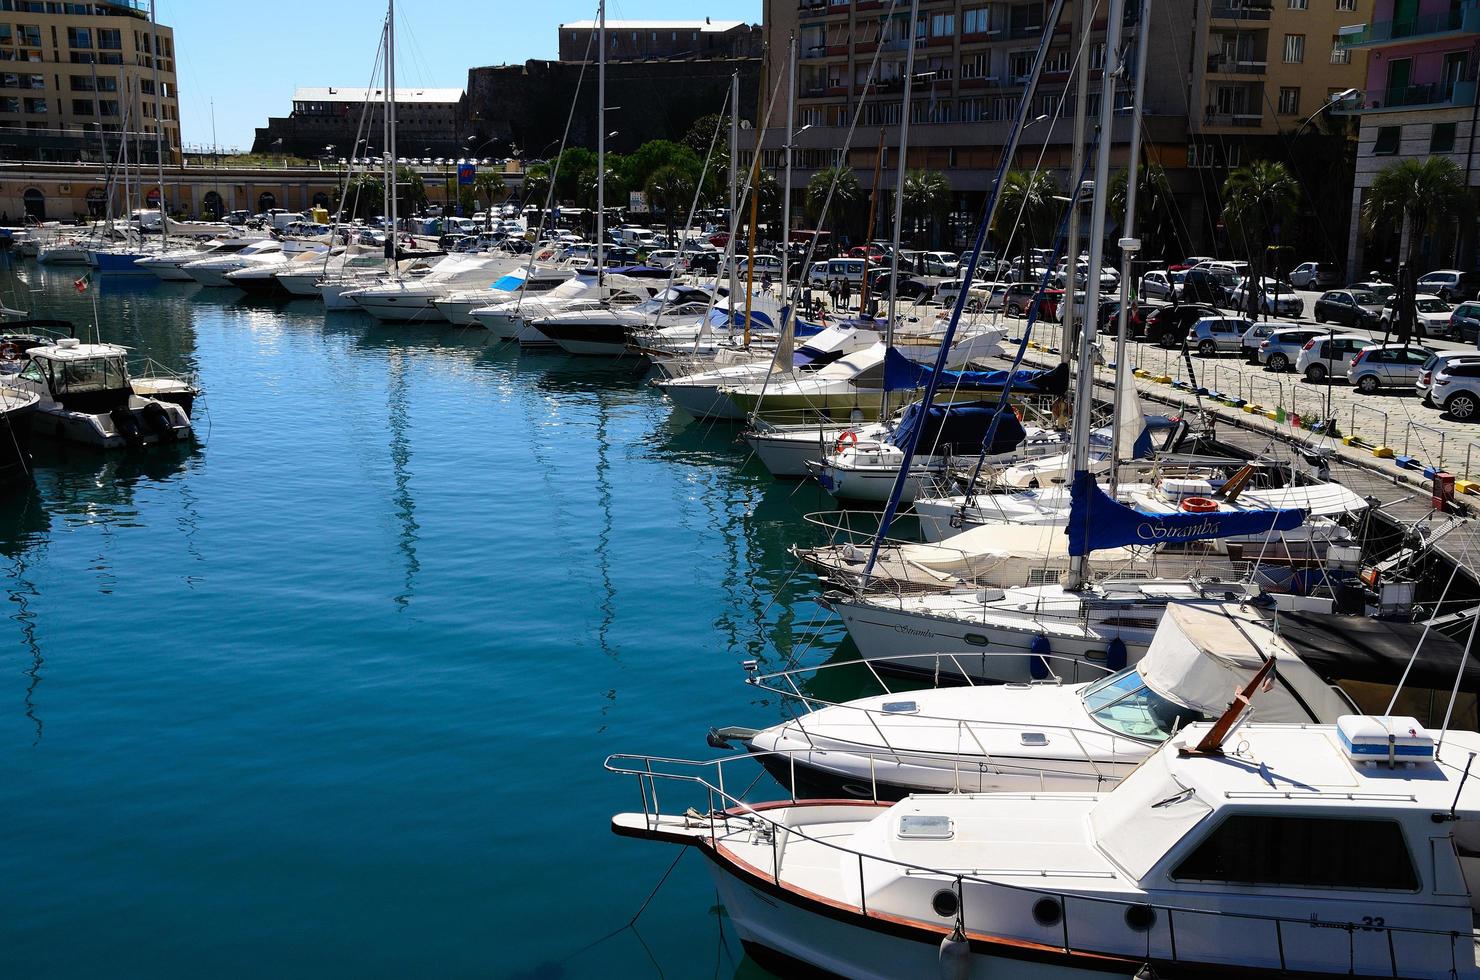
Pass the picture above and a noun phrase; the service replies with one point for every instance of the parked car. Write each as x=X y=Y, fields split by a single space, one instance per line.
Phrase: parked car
x=938 y=263
x=1218 y=335
x=1431 y=316
x=1464 y=322
x=1157 y=284
x=1168 y=325
x=1450 y=285
x=1135 y=318
x=1383 y=289
x=1277 y=299
x=1386 y=366
x=1456 y=389
x=1315 y=275
x=1191 y=262
x=1439 y=361
x=1329 y=354
x=707 y=262
x=910 y=287
x=663 y=258
x=1282 y=347
x=983 y=295
x=1258 y=332
x=1018 y=298
x=1202 y=285
x=1349 y=308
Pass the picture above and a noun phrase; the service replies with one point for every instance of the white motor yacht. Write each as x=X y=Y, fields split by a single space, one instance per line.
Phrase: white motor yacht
x=1258 y=851
x=301 y=278
x=169 y=266
x=86 y=397
x=606 y=332
x=458 y=307
x=504 y=318
x=212 y=270
x=415 y=300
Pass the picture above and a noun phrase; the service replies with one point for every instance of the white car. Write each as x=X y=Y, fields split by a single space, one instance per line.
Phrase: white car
x=1158 y=284
x=1278 y=298
x=1218 y=335
x=1282 y=347
x=1456 y=389
x=1449 y=285
x=1386 y=366
x=1436 y=363
x=1329 y=355
x=1431 y=316
x=663 y=258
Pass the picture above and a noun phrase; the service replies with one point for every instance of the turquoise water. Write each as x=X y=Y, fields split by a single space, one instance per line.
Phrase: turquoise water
x=328 y=693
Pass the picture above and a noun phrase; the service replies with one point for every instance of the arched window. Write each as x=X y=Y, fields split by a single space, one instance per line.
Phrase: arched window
x=266 y=201
x=35 y=203
x=321 y=200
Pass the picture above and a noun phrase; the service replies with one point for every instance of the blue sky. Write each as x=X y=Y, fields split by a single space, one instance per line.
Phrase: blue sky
x=249 y=57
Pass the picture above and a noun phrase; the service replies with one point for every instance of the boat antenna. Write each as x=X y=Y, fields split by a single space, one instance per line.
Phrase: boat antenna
x=1212 y=742
x=1459 y=674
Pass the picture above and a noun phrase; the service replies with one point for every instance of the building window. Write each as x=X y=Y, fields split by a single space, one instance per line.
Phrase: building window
x=1386 y=143
x=36 y=106
x=107 y=84
x=83 y=83
x=977 y=20
x=1289 y=101
x=1441 y=138
x=942 y=25
x=1346 y=4
x=79 y=37
x=6 y=38
x=1297 y=4
x=1340 y=53
x=82 y=107
x=30 y=35
x=10 y=103
x=809 y=117
x=1294 y=49
x=1056 y=61
x=1020 y=65
x=977 y=65
x=110 y=39
x=1097 y=57
x=971 y=110
x=108 y=107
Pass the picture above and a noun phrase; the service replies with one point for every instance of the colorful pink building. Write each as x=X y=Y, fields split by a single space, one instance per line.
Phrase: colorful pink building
x=1419 y=102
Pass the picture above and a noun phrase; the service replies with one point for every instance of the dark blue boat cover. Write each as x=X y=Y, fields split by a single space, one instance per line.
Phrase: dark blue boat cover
x=901 y=373
x=1097 y=520
x=967 y=427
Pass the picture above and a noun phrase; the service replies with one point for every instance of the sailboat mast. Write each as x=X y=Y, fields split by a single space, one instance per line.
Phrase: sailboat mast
x=164 y=221
x=899 y=170
x=734 y=192
x=600 y=140
x=1084 y=393
x=390 y=111
x=1079 y=34
x=1129 y=243
x=791 y=111
x=387 y=158
x=873 y=214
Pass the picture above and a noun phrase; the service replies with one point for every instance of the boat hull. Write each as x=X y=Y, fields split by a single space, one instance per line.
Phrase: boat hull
x=587 y=339
x=118 y=263
x=400 y=307
x=787 y=456
x=168 y=272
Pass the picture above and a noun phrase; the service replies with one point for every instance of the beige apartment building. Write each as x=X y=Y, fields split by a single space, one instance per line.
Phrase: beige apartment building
x=75 y=74
x=1227 y=81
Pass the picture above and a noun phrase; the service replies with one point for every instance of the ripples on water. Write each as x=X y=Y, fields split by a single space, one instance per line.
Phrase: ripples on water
x=328 y=693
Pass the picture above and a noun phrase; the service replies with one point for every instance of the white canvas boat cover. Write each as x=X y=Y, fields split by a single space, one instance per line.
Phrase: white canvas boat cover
x=1319 y=500
x=1046 y=541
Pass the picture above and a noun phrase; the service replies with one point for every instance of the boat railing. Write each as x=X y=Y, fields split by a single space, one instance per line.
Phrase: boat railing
x=789 y=684
x=1129 y=928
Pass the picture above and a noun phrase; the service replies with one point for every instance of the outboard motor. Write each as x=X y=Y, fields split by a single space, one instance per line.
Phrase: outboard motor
x=127 y=426
x=157 y=418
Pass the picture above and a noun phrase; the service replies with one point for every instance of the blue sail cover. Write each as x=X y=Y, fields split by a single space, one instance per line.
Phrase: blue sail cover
x=804 y=329
x=901 y=373
x=1097 y=520
x=967 y=427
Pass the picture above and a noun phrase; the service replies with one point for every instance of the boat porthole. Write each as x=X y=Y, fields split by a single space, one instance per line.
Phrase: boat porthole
x=976 y=639
x=1047 y=912
x=945 y=903
x=1140 y=917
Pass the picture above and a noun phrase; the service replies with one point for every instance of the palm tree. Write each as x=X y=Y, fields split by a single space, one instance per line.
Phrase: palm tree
x=1028 y=207
x=1418 y=195
x=537 y=184
x=489 y=184
x=927 y=194
x=670 y=189
x=1258 y=199
x=845 y=196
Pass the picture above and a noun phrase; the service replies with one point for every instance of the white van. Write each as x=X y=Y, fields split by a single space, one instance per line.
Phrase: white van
x=836 y=270
x=282 y=219
x=634 y=237
x=763 y=264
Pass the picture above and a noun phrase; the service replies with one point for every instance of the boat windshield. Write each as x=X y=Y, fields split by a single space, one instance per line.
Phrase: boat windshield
x=1126 y=706
x=88 y=374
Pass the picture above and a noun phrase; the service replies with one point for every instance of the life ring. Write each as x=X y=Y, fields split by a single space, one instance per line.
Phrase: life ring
x=9 y=352
x=1199 y=505
x=849 y=438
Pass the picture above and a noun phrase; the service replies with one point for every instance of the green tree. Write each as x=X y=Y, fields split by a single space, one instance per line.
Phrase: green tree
x=489 y=186
x=655 y=155
x=701 y=134
x=927 y=196
x=670 y=191
x=537 y=184
x=1418 y=196
x=1027 y=212
x=1156 y=210
x=846 y=196
x=364 y=197
x=411 y=191
x=1258 y=198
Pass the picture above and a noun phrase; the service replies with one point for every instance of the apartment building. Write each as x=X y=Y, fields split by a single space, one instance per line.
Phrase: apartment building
x=1214 y=96
x=1418 y=101
x=72 y=74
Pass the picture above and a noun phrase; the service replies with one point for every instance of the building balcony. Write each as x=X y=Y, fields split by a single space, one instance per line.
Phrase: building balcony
x=1253 y=10
x=1237 y=119
x=1449 y=23
x=1432 y=96
x=1220 y=65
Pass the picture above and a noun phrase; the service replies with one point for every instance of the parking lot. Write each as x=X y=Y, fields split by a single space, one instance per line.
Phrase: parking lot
x=1393 y=417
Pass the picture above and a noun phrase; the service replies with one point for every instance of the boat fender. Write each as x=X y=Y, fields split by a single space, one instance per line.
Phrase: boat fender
x=157 y=417
x=955 y=956
x=1115 y=654
x=1199 y=505
x=1038 y=649
x=9 y=352
x=127 y=426
x=848 y=438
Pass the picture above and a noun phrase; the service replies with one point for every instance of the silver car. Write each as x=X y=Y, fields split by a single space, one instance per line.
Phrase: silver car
x=1218 y=335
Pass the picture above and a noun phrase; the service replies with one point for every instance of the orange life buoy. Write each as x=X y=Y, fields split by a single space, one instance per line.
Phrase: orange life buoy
x=1199 y=505
x=847 y=438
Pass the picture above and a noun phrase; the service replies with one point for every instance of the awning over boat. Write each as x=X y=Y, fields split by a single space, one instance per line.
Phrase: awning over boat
x=512 y=281
x=968 y=428
x=1359 y=648
x=901 y=373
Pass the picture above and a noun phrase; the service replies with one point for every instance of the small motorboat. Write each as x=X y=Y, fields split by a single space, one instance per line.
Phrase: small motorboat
x=85 y=396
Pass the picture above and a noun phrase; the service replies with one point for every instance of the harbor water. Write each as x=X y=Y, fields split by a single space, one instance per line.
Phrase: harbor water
x=328 y=692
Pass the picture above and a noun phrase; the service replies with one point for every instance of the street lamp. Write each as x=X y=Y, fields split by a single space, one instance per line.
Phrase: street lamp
x=1341 y=96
